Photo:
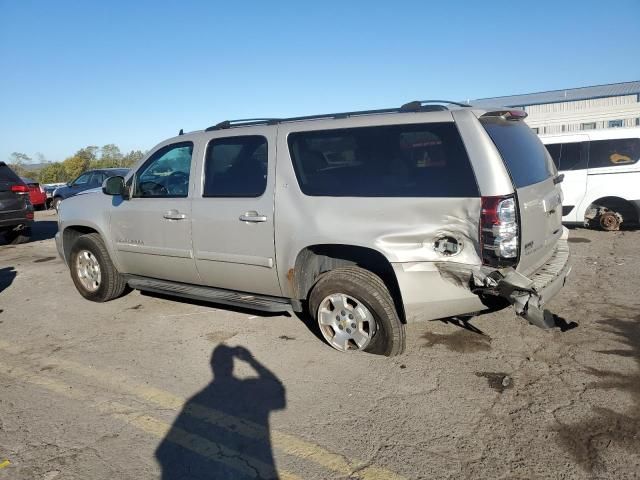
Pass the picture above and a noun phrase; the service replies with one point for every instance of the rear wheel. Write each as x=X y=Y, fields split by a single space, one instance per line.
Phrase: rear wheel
x=355 y=311
x=92 y=270
x=16 y=236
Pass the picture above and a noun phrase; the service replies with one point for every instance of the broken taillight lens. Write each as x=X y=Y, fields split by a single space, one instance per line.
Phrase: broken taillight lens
x=499 y=231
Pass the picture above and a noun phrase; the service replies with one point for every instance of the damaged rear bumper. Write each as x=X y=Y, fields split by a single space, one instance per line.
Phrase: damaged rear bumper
x=529 y=294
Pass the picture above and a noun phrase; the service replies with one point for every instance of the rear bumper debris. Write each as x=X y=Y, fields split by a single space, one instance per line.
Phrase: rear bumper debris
x=529 y=294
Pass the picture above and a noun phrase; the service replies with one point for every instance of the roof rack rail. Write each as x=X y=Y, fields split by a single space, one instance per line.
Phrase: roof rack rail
x=415 y=106
x=242 y=122
x=418 y=104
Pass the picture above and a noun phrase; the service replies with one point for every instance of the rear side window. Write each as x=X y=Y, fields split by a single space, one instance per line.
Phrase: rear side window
x=554 y=151
x=236 y=167
x=7 y=177
x=425 y=160
x=614 y=152
x=524 y=155
x=568 y=156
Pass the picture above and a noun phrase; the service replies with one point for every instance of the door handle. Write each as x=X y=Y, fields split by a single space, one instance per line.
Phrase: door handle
x=253 y=217
x=174 y=215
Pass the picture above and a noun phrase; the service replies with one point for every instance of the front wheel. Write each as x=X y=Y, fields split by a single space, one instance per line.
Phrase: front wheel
x=92 y=271
x=355 y=311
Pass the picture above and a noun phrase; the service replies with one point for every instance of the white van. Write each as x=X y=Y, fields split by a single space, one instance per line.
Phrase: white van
x=601 y=170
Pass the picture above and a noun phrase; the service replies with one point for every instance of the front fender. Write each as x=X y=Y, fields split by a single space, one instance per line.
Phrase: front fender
x=85 y=213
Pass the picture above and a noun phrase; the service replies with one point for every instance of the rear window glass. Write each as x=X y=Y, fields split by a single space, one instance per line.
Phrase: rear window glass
x=425 y=160
x=614 y=152
x=568 y=156
x=523 y=153
x=7 y=177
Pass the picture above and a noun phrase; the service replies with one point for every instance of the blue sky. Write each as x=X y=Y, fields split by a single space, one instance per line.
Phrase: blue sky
x=77 y=73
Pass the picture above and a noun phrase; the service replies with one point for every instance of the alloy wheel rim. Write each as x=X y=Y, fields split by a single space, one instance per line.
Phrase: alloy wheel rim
x=345 y=322
x=88 y=270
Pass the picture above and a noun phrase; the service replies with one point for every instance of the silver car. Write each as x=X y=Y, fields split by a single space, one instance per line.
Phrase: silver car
x=365 y=220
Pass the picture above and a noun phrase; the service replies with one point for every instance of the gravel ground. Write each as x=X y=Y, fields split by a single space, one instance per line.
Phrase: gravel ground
x=126 y=389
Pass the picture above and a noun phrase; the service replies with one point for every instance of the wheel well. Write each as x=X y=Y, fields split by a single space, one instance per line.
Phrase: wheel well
x=71 y=234
x=315 y=260
x=619 y=205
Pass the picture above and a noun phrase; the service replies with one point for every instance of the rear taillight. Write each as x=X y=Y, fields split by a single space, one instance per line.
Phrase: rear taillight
x=30 y=215
x=21 y=189
x=499 y=231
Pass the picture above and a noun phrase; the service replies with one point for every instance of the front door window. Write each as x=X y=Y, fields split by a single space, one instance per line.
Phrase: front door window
x=166 y=173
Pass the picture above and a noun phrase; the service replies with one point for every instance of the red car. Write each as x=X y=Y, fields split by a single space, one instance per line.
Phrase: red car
x=37 y=194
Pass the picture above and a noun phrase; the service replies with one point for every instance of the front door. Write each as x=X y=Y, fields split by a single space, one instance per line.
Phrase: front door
x=233 y=235
x=152 y=230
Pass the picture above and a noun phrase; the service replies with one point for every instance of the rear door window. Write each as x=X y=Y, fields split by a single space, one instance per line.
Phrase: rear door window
x=554 y=151
x=614 y=152
x=236 y=167
x=568 y=156
x=524 y=155
x=424 y=160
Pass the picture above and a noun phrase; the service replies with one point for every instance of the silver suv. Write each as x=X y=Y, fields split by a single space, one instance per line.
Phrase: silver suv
x=367 y=220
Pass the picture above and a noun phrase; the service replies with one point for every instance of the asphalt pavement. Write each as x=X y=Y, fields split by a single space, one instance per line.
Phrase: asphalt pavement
x=149 y=387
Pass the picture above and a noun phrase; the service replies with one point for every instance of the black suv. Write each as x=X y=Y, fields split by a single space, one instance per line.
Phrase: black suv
x=16 y=211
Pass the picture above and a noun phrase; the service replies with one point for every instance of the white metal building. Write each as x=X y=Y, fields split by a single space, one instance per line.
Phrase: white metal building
x=585 y=108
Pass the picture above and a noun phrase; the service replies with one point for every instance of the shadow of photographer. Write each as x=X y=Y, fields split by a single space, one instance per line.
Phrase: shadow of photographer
x=223 y=431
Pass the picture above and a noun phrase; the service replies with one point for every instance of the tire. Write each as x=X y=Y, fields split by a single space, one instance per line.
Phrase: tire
x=15 y=237
x=367 y=290
x=87 y=252
x=56 y=203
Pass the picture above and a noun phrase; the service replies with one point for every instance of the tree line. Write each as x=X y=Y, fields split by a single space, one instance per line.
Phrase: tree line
x=84 y=159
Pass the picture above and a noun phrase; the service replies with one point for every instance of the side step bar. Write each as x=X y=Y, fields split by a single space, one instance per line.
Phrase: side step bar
x=264 y=303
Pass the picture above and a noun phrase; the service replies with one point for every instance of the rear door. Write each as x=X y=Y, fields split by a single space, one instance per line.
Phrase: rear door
x=539 y=197
x=570 y=157
x=233 y=215
x=614 y=169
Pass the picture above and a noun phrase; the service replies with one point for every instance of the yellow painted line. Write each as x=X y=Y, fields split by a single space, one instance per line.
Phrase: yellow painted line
x=285 y=442
x=216 y=452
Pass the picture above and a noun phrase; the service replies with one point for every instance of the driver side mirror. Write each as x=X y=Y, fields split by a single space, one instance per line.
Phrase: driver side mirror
x=114 y=186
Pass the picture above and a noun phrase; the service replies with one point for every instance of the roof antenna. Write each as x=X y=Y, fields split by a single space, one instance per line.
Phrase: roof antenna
x=181 y=132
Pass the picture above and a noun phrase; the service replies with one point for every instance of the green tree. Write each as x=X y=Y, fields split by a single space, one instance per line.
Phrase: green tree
x=75 y=165
x=89 y=155
x=131 y=158
x=53 y=173
x=110 y=156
